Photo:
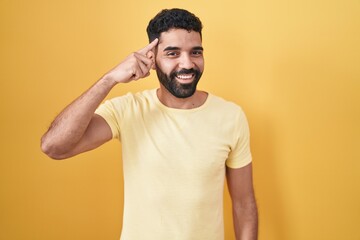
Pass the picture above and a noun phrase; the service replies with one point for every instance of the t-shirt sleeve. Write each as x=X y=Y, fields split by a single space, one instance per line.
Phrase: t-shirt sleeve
x=113 y=111
x=240 y=154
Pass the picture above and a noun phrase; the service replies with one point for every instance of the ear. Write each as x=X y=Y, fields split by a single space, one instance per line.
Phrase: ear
x=151 y=55
x=153 y=67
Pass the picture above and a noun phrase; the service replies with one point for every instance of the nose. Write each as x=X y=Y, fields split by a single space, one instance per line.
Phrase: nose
x=186 y=62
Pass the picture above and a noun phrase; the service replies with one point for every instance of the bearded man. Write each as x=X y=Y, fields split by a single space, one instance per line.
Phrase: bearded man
x=178 y=143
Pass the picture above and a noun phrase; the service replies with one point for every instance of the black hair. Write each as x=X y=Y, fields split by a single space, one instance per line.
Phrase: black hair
x=173 y=18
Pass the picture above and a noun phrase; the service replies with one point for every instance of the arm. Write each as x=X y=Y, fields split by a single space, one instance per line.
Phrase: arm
x=77 y=129
x=241 y=190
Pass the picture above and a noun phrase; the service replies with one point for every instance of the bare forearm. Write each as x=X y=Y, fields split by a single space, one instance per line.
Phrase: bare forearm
x=67 y=134
x=246 y=222
x=70 y=125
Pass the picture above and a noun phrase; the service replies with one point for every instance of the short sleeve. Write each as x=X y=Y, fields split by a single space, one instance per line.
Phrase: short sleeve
x=113 y=111
x=240 y=154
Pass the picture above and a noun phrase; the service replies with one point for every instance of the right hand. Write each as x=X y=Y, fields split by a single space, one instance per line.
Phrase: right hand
x=137 y=65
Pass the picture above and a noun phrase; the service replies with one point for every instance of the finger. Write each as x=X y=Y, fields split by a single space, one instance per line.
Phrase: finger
x=150 y=54
x=139 y=74
x=149 y=47
x=146 y=60
x=142 y=68
x=146 y=75
x=143 y=64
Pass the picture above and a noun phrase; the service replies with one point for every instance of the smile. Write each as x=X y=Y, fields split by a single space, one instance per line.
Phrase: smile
x=185 y=76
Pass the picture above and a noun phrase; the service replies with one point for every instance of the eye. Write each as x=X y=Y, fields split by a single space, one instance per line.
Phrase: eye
x=197 y=52
x=172 y=54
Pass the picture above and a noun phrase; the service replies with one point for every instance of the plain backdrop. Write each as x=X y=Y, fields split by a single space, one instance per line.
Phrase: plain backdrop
x=293 y=66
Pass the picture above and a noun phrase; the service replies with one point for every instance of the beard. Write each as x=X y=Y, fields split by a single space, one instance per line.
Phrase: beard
x=176 y=88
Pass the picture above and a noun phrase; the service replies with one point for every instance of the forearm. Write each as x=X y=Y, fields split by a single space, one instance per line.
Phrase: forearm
x=68 y=130
x=70 y=125
x=245 y=220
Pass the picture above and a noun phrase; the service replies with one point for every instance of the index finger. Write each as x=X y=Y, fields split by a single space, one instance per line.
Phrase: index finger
x=149 y=47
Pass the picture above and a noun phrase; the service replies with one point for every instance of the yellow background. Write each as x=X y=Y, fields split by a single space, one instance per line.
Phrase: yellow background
x=294 y=66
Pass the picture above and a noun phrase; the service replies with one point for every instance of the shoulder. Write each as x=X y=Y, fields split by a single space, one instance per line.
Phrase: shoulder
x=133 y=98
x=229 y=113
x=223 y=105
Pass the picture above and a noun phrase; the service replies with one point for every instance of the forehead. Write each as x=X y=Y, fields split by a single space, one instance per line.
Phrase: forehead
x=180 y=38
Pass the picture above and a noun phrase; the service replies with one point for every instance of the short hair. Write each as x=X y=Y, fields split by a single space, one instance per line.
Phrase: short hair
x=173 y=19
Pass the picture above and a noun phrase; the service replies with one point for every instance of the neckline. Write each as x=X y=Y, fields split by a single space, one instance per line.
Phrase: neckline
x=189 y=110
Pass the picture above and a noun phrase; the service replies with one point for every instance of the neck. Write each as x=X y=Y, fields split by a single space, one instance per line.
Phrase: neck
x=169 y=100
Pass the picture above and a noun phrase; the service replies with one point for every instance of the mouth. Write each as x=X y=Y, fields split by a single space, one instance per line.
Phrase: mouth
x=185 y=78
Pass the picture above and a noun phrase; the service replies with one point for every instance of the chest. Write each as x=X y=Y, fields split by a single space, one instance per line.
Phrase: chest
x=190 y=143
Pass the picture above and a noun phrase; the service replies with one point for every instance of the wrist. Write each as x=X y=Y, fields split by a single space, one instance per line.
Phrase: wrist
x=108 y=81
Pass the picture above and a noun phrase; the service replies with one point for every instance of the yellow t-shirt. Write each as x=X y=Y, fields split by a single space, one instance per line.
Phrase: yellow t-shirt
x=174 y=164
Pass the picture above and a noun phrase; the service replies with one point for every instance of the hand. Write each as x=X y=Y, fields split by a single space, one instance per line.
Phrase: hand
x=137 y=65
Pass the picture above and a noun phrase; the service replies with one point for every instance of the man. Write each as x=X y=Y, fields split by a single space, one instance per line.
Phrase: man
x=178 y=142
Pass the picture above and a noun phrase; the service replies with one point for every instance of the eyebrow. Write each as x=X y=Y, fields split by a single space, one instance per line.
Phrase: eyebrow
x=170 y=48
x=198 y=48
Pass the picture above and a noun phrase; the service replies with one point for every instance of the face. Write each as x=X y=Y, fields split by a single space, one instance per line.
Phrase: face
x=179 y=61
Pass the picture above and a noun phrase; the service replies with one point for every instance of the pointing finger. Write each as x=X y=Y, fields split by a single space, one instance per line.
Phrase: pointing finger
x=149 y=47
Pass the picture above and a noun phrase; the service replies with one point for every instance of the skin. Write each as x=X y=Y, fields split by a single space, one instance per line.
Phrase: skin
x=179 y=49
x=77 y=129
x=245 y=216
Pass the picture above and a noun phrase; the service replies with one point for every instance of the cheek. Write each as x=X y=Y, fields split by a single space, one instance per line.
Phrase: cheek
x=166 y=65
x=200 y=64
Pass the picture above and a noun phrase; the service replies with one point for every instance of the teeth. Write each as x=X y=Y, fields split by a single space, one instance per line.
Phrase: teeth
x=184 y=76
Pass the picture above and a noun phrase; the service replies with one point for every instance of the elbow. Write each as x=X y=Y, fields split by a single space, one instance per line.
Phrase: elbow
x=51 y=150
x=245 y=208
